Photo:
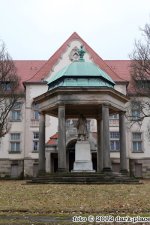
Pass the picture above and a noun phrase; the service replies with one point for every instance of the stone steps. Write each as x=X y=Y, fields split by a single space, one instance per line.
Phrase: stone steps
x=84 y=178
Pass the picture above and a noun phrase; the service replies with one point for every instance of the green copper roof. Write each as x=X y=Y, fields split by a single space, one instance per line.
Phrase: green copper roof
x=84 y=69
x=81 y=74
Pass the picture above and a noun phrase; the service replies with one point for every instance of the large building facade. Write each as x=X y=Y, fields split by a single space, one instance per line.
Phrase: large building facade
x=19 y=149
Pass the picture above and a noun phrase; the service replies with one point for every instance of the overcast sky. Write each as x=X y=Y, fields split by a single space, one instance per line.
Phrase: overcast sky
x=35 y=29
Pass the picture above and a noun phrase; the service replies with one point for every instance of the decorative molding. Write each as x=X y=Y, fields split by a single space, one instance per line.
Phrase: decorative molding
x=74 y=54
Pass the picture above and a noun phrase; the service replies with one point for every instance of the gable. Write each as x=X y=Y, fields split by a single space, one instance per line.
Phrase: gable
x=65 y=58
x=61 y=58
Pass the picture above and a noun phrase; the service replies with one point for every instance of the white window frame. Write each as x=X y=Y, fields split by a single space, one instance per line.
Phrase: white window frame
x=35 y=109
x=140 y=140
x=15 y=141
x=115 y=140
x=17 y=112
x=35 y=140
x=114 y=120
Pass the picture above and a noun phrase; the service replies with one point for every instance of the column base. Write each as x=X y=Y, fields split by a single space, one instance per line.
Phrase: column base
x=124 y=171
x=107 y=169
x=62 y=170
x=41 y=173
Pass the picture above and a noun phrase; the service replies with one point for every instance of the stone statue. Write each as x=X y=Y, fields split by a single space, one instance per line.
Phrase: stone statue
x=81 y=53
x=82 y=128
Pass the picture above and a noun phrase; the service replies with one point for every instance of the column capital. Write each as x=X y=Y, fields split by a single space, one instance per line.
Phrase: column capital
x=99 y=118
x=106 y=105
x=122 y=113
x=61 y=105
x=42 y=113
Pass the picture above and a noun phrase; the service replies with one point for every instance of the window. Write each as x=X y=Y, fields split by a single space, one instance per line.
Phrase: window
x=6 y=85
x=114 y=141
x=137 y=141
x=135 y=110
x=143 y=84
x=15 y=142
x=135 y=114
x=16 y=112
x=35 y=141
x=36 y=114
x=114 y=120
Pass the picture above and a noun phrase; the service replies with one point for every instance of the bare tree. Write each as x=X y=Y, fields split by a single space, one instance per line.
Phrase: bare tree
x=140 y=78
x=9 y=89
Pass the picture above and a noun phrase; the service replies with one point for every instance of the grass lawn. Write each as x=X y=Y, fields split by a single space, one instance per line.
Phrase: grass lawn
x=17 y=198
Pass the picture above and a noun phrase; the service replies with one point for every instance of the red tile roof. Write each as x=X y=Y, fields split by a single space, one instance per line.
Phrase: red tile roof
x=53 y=139
x=27 y=68
x=121 y=67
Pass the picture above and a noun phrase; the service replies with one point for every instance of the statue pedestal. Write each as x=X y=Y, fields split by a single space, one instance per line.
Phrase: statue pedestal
x=83 y=159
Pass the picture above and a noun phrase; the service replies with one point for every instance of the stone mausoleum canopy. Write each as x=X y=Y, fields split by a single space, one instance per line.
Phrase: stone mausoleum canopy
x=81 y=74
x=82 y=88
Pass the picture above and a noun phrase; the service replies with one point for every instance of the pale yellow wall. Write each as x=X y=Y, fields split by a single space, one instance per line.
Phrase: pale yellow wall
x=51 y=122
x=145 y=140
x=135 y=127
x=121 y=88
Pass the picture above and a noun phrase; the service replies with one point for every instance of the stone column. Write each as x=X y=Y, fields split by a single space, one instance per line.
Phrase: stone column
x=42 y=144
x=67 y=160
x=106 y=139
x=61 y=139
x=123 y=156
x=48 y=161
x=99 y=145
